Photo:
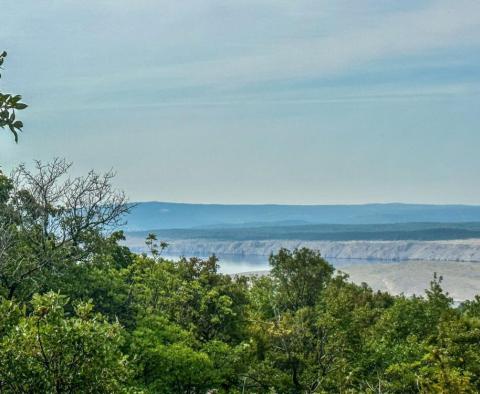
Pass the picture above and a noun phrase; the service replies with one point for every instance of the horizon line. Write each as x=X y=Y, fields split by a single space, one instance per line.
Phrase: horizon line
x=307 y=205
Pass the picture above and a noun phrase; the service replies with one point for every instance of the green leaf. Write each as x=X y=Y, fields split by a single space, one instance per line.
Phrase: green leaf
x=16 y=99
x=21 y=106
x=15 y=134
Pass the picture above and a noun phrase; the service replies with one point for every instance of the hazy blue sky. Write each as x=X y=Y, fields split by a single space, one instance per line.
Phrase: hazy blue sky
x=252 y=100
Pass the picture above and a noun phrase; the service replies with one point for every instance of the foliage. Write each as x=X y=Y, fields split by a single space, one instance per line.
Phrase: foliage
x=50 y=352
x=82 y=313
x=9 y=104
x=300 y=277
x=50 y=221
x=414 y=230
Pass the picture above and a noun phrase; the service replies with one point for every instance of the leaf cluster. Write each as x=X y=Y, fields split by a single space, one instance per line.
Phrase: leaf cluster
x=9 y=105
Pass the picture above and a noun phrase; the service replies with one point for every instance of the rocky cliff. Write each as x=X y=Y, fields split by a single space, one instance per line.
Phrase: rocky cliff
x=461 y=250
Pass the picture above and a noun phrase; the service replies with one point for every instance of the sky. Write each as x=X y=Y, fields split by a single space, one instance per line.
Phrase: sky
x=252 y=101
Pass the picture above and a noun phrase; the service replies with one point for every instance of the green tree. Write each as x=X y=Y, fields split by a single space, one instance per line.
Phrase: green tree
x=193 y=295
x=102 y=278
x=404 y=352
x=190 y=325
x=300 y=276
x=315 y=348
x=49 y=352
x=471 y=307
x=49 y=222
x=288 y=343
x=170 y=360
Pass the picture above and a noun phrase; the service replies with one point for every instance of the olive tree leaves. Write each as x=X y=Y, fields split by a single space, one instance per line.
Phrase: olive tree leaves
x=9 y=104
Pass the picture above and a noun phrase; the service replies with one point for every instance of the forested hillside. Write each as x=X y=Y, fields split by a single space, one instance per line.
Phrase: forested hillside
x=327 y=232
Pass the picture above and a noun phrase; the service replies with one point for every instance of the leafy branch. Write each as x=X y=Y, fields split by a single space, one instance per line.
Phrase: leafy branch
x=9 y=104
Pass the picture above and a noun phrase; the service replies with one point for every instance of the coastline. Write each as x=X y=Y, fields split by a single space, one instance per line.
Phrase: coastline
x=467 y=250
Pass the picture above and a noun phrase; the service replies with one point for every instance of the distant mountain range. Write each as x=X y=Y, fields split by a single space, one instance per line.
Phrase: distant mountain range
x=163 y=215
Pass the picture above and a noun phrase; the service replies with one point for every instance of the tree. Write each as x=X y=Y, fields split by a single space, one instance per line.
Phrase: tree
x=192 y=294
x=300 y=275
x=315 y=348
x=404 y=347
x=49 y=352
x=190 y=324
x=471 y=307
x=155 y=248
x=49 y=221
x=104 y=279
x=171 y=360
x=10 y=103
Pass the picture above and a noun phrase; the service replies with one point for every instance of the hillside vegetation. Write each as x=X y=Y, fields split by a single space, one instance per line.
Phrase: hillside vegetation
x=83 y=314
x=328 y=232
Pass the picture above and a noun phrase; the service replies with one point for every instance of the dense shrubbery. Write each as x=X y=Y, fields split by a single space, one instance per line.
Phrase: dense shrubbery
x=82 y=314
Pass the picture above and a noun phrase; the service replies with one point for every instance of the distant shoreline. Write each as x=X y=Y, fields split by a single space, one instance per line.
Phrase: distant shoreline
x=467 y=250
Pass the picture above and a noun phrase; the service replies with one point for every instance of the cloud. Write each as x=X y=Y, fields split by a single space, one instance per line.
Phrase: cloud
x=211 y=49
x=440 y=26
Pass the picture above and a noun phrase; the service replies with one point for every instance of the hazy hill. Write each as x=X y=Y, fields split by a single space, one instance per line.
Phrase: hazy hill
x=162 y=215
